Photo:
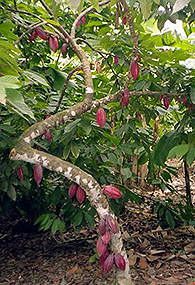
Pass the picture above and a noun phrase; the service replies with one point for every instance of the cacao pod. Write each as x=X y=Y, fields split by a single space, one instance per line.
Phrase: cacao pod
x=83 y=20
x=102 y=226
x=190 y=108
x=138 y=57
x=106 y=237
x=63 y=48
x=119 y=261
x=125 y=97
x=160 y=97
x=47 y=116
x=38 y=172
x=41 y=34
x=48 y=136
x=112 y=192
x=124 y=20
x=134 y=69
x=20 y=172
x=80 y=194
x=178 y=99
x=72 y=190
x=111 y=224
x=33 y=35
x=108 y=263
x=166 y=102
x=184 y=100
x=102 y=259
x=101 y=247
x=116 y=59
x=53 y=43
x=101 y=117
x=78 y=24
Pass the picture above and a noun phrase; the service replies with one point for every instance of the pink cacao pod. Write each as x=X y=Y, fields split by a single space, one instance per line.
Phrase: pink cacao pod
x=108 y=263
x=80 y=194
x=160 y=97
x=106 y=237
x=166 y=102
x=101 y=247
x=102 y=259
x=33 y=35
x=112 y=192
x=102 y=226
x=83 y=20
x=125 y=97
x=134 y=69
x=63 y=48
x=20 y=172
x=53 y=43
x=124 y=20
x=41 y=34
x=78 y=24
x=38 y=172
x=178 y=99
x=72 y=190
x=48 y=136
x=111 y=223
x=116 y=59
x=184 y=100
x=119 y=261
x=101 y=117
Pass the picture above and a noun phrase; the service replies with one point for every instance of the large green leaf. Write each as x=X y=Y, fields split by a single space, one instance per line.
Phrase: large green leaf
x=36 y=77
x=178 y=151
x=179 y=4
x=7 y=81
x=165 y=144
x=145 y=6
x=74 y=4
x=15 y=99
x=95 y=4
x=192 y=94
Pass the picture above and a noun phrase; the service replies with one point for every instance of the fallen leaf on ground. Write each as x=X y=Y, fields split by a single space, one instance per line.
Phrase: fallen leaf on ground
x=143 y=264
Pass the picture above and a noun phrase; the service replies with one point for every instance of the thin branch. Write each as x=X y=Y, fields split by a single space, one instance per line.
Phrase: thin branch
x=47 y=8
x=65 y=87
x=102 y=55
x=83 y=14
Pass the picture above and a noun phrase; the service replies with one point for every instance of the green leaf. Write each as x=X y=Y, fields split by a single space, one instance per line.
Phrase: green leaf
x=71 y=126
x=179 y=4
x=190 y=156
x=56 y=196
x=113 y=139
x=89 y=219
x=95 y=4
x=74 y=4
x=126 y=172
x=145 y=6
x=57 y=225
x=170 y=219
x=7 y=81
x=36 y=77
x=77 y=219
x=11 y=192
x=192 y=94
x=85 y=124
x=15 y=99
x=178 y=151
x=74 y=149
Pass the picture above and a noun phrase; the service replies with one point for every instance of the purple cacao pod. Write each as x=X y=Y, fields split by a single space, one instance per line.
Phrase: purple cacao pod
x=134 y=69
x=102 y=226
x=160 y=97
x=106 y=237
x=178 y=99
x=72 y=190
x=124 y=20
x=20 y=173
x=101 y=117
x=108 y=263
x=102 y=259
x=119 y=261
x=78 y=24
x=80 y=194
x=48 y=136
x=116 y=59
x=63 y=48
x=38 y=172
x=112 y=192
x=41 y=34
x=33 y=35
x=83 y=20
x=111 y=224
x=101 y=247
x=184 y=99
x=53 y=43
x=166 y=102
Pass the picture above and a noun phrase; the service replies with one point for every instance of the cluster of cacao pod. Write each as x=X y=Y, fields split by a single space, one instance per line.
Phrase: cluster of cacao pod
x=107 y=259
x=53 y=41
x=76 y=189
x=179 y=99
x=101 y=117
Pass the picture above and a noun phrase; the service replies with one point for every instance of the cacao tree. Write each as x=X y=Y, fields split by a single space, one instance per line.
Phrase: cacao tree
x=120 y=68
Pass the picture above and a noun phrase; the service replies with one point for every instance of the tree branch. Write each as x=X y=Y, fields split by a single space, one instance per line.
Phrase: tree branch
x=47 y=8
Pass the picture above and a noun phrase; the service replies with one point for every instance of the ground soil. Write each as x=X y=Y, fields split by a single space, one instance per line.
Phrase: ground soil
x=156 y=256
